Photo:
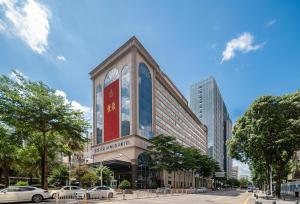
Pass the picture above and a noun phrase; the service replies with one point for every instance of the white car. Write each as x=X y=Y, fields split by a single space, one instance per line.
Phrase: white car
x=67 y=191
x=23 y=194
x=97 y=192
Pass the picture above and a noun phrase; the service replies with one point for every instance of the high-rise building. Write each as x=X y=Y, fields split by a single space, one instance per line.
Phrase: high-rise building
x=133 y=101
x=235 y=172
x=207 y=103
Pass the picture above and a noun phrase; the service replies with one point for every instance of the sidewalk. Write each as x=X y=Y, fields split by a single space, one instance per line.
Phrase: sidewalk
x=262 y=198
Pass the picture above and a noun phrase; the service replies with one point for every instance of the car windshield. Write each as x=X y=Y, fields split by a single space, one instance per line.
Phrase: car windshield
x=90 y=189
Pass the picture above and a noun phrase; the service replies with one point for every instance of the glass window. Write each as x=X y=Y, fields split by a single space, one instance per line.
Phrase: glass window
x=111 y=76
x=145 y=101
x=125 y=101
x=74 y=188
x=99 y=114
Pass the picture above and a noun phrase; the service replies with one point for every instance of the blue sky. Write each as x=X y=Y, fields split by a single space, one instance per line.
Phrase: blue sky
x=59 y=42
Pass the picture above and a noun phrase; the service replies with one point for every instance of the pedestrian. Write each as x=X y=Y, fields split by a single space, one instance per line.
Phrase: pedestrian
x=296 y=192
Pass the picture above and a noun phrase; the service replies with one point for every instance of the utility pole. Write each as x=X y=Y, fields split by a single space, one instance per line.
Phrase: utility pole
x=271 y=180
x=101 y=172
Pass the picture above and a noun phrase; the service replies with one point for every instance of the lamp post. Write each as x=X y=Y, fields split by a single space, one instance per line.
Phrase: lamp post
x=101 y=172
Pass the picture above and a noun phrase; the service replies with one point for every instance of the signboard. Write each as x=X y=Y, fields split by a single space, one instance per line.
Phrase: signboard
x=112 y=146
x=111 y=111
x=220 y=174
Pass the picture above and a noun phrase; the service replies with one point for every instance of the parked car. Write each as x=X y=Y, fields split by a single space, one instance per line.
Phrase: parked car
x=67 y=191
x=23 y=194
x=250 y=189
x=164 y=190
x=97 y=192
x=201 y=190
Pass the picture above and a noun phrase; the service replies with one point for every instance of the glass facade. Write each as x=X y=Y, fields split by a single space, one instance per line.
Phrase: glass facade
x=145 y=101
x=99 y=114
x=145 y=174
x=125 y=101
x=207 y=103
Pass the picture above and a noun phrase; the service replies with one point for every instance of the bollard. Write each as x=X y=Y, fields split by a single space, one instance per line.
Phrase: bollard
x=274 y=202
x=123 y=194
x=56 y=198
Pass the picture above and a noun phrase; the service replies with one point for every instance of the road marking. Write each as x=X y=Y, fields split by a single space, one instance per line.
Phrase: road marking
x=247 y=200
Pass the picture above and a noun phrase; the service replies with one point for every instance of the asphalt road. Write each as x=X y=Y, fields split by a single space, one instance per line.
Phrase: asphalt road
x=228 y=197
x=218 y=197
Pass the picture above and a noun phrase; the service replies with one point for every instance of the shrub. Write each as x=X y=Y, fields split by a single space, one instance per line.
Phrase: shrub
x=124 y=185
x=22 y=183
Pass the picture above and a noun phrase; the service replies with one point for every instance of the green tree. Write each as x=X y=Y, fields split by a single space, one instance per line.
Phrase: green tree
x=124 y=185
x=59 y=176
x=244 y=182
x=169 y=155
x=9 y=144
x=268 y=133
x=107 y=174
x=233 y=182
x=85 y=175
x=27 y=162
x=162 y=153
x=35 y=108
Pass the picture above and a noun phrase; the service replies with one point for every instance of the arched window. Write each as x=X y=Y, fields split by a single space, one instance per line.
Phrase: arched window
x=99 y=114
x=111 y=76
x=125 y=101
x=145 y=101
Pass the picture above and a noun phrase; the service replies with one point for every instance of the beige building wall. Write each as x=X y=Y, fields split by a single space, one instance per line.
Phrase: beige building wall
x=170 y=112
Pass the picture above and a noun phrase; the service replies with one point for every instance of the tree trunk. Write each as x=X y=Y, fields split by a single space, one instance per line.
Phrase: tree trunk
x=45 y=163
x=69 y=165
x=174 y=179
x=278 y=186
x=6 y=174
x=184 y=179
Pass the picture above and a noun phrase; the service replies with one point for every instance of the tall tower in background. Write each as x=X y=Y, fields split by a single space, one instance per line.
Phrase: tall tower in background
x=207 y=103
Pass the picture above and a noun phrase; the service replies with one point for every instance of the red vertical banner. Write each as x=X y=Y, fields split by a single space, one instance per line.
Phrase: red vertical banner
x=111 y=111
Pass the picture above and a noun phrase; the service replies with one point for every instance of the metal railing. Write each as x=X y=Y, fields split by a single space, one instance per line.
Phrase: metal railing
x=93 y=197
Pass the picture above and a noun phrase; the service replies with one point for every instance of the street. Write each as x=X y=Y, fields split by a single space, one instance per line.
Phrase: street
x=219 y=197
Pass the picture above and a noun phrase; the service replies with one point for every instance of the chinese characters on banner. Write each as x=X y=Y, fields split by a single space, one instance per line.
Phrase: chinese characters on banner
x=111 y=111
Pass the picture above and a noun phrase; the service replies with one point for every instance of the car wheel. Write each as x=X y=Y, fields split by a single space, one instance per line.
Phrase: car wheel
x=110 y=195
x=37 y=198
x=54 y=195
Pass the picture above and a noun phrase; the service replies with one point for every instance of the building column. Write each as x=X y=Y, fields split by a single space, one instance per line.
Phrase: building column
x=134 y=174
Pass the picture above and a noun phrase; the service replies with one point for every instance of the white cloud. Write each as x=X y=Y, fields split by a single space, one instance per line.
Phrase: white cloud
x=87 y=111
x=243 y=43
x=271 y=22
x=2 y=25
x=61 y=58
x=28 y=20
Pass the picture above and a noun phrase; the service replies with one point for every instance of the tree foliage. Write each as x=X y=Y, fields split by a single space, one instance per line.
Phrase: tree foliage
x=267 y=135
x=167 y=154
x=43 y=117
x=124 y=185
x=107 y=174
x=59 y=176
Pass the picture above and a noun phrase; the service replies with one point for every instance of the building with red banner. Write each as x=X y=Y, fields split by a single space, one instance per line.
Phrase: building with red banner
x=134 y=101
